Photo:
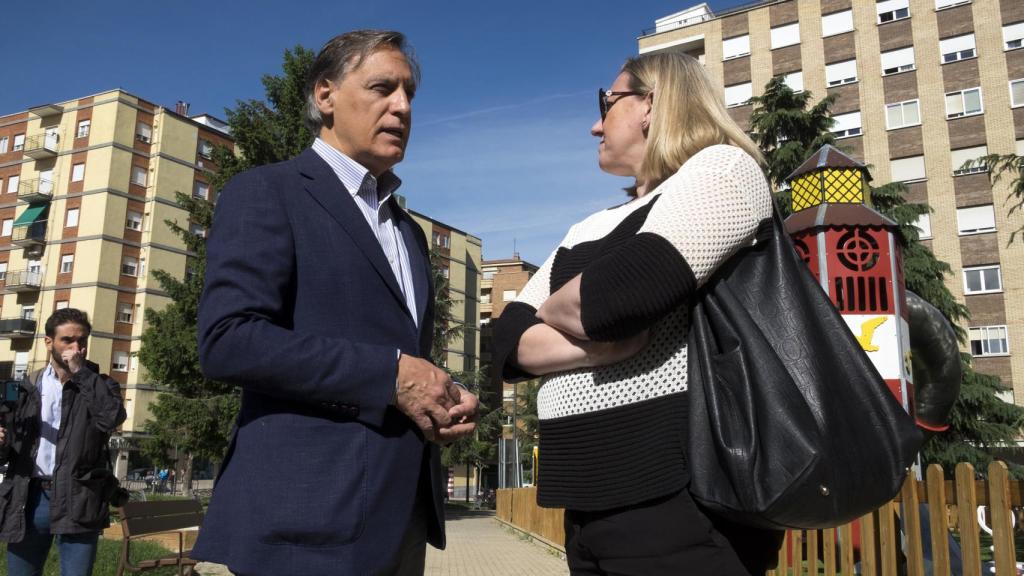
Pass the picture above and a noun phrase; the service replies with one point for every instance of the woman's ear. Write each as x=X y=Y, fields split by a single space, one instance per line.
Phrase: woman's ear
x=648 y=108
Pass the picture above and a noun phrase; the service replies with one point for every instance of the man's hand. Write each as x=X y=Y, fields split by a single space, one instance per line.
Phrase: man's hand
x=423 y=395
x=74 y=359
x=463 y=414
x=3 y=436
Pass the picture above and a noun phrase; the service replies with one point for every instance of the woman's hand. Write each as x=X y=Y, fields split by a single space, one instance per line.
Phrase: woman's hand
x=562 y=309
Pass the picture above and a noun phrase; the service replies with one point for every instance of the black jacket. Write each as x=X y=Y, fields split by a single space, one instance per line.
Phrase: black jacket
x=91 y=408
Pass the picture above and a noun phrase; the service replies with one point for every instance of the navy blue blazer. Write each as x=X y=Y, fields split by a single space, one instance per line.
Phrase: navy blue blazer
x=302 y=311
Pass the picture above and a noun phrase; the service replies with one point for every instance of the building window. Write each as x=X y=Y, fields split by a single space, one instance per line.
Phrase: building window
x=964 y=155
x=485 y=298
x=201 y=190
x=940 y=4
x=3 y=145
x=8 y=226
x=3 y=271
x=739 y=94
x=60 y=305
x=143 y=132
x=1017 y=93
x=892 y=10
x=846 y=125
x=12 y=184
x=786 y=35
x=735 y=47
x=67 y=262
x=975 y=220
x=28 y=312
x=83 y=129
x=957 y=48
x=442 y=240
x=989 y=341
x=72 y=218
x=902 y=114
x=924 y=226
x=205 y=148
x=124 y=312
x=130 y=266
x=445 y=272
x=19 y=142
x=133 y=221
x=1013 y=36
x=908 y=169
x=896 y=61
x=841 y=73
x=197 y=230
x=78 y=172
x=963 y=103
x=795 y=81
x=508 y=295
x=120 y=362
x=139 y=175
x=982 y=280
x=836 y=23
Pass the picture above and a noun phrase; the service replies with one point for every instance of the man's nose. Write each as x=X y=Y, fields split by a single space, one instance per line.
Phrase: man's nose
x=400 y=102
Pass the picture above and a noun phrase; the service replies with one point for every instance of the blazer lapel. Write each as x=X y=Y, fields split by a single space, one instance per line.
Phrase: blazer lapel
x=323 y=184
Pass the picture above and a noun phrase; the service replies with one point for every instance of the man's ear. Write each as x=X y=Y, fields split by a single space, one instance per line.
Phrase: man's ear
x=323 y=94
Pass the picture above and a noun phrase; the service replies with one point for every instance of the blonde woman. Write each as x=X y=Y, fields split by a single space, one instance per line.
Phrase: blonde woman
x=605 y=322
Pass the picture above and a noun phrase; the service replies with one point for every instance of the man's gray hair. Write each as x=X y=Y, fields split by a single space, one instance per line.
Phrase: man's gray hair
x=344 y=53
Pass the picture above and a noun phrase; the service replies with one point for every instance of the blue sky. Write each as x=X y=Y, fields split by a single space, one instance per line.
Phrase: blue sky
x=500 y=144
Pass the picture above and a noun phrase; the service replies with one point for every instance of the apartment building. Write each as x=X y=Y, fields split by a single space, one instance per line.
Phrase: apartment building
x=503 y=279
x=922 y=86
x=85 y=188
x=459 y=259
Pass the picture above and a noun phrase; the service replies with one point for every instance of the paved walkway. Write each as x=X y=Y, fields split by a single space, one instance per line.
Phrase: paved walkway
x=478 y=545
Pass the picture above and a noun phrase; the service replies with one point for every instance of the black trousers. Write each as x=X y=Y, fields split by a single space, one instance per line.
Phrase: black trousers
x=666 y=536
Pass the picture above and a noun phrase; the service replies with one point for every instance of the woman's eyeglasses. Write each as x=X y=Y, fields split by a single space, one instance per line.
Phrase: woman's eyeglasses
x=605 y=105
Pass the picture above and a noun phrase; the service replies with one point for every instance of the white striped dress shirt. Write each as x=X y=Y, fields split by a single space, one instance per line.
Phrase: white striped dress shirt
x=372 y=198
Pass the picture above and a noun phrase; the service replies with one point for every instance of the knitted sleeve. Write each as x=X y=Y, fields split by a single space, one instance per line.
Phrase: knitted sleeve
x=707 y=211
x=520 y=315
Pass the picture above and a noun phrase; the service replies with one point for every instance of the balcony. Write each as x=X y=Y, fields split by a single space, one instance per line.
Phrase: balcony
x=38 y=190
x=17 y=328
x=30 y=235
x=45 y=111
x=23 y=281
x=41 y=146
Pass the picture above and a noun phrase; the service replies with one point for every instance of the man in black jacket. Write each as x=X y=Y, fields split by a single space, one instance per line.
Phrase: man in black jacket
x=58 y=479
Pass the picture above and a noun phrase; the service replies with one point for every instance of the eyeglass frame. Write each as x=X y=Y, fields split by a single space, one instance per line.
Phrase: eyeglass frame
x=602 y=99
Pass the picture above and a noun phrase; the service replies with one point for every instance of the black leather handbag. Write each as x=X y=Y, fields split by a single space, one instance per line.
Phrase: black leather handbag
x=791 y=426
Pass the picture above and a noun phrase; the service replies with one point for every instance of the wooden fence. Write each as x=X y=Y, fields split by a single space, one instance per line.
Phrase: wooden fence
x=890 y=541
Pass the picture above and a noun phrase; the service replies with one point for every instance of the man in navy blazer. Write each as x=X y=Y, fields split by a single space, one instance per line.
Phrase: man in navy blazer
x=318 y=303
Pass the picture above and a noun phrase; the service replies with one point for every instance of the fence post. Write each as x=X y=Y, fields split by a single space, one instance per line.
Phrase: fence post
x=938 y=520
x=967 y=519
x=912 y=526
x=1002 y=529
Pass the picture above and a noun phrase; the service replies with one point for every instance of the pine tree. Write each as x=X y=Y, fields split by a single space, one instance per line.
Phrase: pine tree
x=1000 y=166
x=788 y=132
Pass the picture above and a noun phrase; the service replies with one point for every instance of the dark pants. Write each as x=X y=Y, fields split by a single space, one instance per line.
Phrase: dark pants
x=26 y=558
x=668 y=536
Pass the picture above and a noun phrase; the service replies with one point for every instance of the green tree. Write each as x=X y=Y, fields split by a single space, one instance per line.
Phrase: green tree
x=194 y=418
x=788 y=132
x=527 y=428
x=1000 y=166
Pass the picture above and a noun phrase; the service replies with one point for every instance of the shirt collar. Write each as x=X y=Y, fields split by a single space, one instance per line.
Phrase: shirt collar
x=353 y=175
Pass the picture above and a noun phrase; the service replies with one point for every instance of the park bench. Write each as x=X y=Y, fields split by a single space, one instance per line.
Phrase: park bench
x=139 y=519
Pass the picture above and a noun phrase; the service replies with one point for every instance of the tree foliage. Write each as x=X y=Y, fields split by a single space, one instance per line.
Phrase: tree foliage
x=788 y=130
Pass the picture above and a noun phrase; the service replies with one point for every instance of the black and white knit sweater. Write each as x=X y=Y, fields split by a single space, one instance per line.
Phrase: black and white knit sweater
x=615 y=435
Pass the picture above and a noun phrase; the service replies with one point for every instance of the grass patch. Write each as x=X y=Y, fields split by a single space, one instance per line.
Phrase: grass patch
x=107 y=556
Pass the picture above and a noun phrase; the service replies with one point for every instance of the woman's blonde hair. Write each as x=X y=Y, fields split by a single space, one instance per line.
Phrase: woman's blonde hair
x=687 y=116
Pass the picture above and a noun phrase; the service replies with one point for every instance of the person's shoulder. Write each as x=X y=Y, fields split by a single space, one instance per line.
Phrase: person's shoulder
x=723 y=154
